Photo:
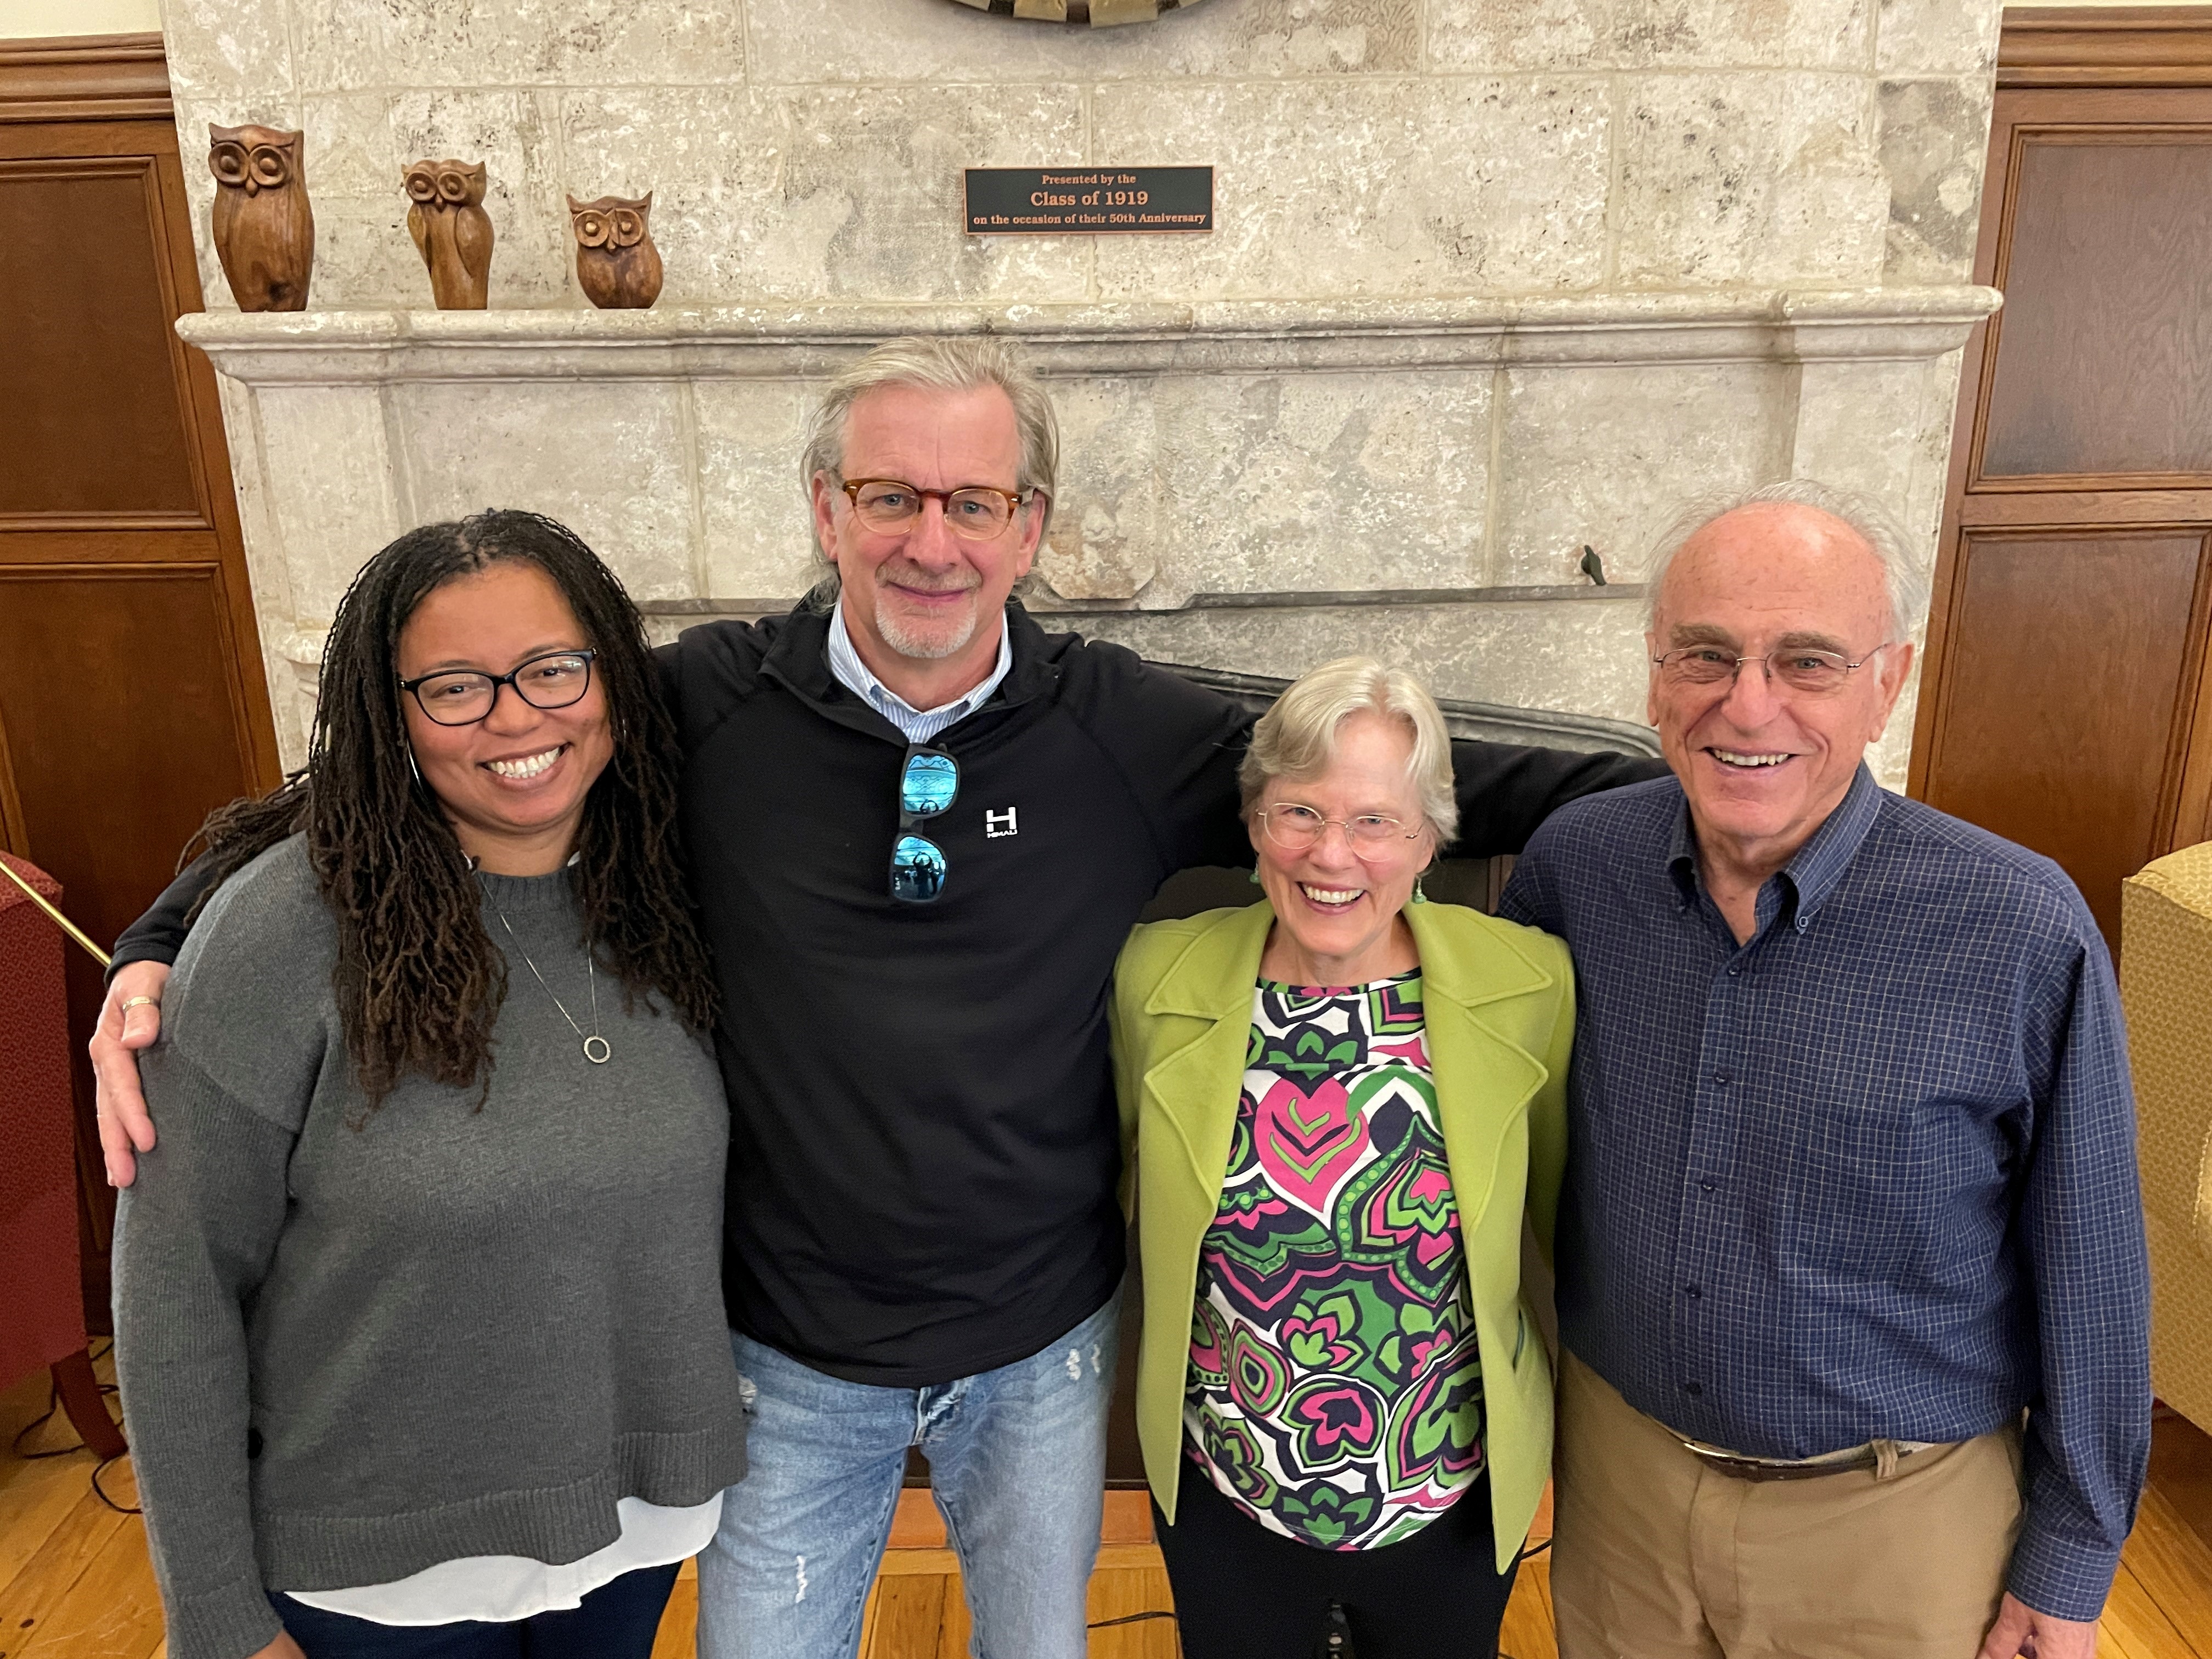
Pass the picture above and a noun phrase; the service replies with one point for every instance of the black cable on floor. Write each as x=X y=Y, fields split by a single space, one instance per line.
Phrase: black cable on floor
x=1130 y=1618
x=53 y=1405
x=101 y=1491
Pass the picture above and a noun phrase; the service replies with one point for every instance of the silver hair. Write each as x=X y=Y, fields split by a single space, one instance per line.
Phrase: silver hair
x=1904 y=572
x=1296 y=739
x=946 y=363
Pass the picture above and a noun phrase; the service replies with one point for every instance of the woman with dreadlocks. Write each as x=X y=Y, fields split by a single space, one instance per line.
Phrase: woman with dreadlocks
x=417 y=1318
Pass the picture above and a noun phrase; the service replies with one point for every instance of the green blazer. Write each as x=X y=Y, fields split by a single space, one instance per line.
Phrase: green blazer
x=1499 y=1000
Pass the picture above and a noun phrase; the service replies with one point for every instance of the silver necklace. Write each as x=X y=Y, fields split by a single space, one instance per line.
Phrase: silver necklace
x=595 y=1046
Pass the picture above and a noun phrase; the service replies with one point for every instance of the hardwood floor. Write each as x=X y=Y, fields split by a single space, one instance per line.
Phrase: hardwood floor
x=75 y=1582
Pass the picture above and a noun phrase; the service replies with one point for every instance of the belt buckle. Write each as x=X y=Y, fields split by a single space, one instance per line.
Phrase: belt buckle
x=1741 y=1467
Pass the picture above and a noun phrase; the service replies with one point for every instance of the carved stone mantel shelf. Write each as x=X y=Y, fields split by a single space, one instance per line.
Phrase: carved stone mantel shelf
x=734 y=342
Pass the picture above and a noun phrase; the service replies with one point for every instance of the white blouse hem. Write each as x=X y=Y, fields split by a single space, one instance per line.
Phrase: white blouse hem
x=500 y=1589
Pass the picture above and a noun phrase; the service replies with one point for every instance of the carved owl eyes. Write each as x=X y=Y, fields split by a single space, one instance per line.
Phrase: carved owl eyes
x=254 y=168
x=622 y=227
x=429 y=184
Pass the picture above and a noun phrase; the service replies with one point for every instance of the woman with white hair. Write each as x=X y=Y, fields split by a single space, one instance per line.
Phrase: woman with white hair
x=1343 y=1099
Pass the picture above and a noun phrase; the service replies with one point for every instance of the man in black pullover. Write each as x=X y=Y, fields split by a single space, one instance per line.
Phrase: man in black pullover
x=919 y=830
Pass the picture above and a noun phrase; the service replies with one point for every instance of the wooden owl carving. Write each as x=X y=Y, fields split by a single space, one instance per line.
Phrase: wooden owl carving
x=616 y=262
x=264 y=230
x=451 y=231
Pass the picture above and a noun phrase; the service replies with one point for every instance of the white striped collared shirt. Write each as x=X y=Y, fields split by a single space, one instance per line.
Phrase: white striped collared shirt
x=918 y=725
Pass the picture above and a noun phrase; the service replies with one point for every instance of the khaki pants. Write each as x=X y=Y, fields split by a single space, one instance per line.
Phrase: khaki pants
x=1659 y=1557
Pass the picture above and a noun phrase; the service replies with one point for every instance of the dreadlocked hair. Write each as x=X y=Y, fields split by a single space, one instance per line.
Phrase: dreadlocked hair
x=419 y=983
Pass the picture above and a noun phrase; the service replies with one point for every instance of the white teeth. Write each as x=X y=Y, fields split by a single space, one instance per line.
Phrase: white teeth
x=529 y=767
x=1324 y=896
x=1732 y=758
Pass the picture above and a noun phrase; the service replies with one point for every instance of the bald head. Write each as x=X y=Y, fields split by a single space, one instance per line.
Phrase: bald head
x=1903 y=570
x=1780 y=556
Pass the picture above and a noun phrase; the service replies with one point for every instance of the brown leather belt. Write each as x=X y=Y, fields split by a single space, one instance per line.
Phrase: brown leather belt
x=1735 y=1464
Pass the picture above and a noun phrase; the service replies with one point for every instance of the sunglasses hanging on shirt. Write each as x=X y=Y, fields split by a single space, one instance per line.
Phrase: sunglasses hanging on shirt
x=929 y=779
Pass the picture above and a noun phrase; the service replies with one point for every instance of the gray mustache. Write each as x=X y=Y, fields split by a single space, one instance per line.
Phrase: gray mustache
x=909 y=576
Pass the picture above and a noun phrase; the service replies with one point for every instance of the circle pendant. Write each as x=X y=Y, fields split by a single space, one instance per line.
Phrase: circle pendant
x=596 y=1050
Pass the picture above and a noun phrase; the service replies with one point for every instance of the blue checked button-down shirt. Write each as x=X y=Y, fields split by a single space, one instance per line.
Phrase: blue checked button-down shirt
x=1871 y=1174
x=916 y=725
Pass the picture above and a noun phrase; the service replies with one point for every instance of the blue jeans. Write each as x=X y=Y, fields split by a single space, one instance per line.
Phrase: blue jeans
x=1017 y=1460
x=618 y=1620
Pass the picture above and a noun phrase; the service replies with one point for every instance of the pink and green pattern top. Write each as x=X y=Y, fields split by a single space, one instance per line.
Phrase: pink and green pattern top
x=1335 y=1394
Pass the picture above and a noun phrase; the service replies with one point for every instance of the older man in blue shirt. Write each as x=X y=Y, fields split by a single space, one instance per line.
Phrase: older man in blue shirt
x=1850 y=1257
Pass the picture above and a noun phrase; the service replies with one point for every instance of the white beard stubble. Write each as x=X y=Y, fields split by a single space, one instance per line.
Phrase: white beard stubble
x=931 y=645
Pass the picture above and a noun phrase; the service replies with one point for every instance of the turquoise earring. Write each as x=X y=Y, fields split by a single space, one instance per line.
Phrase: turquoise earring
x=1419 y=897
x=1253 y=878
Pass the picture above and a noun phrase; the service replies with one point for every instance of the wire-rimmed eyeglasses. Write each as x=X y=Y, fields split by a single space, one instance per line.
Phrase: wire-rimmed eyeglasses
x=1799 y=667
x=462 y=697
x=1296 y=828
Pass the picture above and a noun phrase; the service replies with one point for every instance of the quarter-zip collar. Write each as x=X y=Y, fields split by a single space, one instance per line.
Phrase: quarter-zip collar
x=799 y=659
x=919 y=725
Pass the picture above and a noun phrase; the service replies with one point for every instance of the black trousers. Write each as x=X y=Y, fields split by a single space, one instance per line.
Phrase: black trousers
x=618 y=1620
x=1243 y=1592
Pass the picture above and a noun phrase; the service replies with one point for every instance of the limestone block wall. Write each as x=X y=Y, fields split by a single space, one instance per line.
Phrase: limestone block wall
x=1493 y=280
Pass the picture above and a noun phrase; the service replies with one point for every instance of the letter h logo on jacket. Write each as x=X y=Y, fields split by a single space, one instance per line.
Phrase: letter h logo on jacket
x=996 y=824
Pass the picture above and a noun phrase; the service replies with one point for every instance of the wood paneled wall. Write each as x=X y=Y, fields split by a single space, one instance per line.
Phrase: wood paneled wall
x=2066 y=702
x=132 y=695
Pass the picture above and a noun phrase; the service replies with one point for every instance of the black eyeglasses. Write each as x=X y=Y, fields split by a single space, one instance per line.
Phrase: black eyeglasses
x=928 y=780
x=462 y=697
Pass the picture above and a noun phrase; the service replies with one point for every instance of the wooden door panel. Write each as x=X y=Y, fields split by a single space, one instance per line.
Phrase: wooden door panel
x=83 y=251
x=131 y=693
x=2073 y=656
x=2105 y=345
x=120 y=538
x=122 y=728
x=2021 y=509
x=2064 y=701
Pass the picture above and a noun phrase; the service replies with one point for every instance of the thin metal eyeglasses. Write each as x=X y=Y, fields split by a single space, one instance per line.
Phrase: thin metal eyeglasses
x=1296 y=828
x=977 y=512
x=929 y=779
x=1800 y=668
x=462 y=697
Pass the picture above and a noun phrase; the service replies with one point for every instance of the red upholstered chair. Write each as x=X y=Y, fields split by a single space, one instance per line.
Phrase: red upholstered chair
x=43 y=1324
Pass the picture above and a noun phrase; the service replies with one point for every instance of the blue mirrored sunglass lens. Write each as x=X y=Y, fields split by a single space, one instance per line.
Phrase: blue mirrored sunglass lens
x=928 y=784
x=917 y=870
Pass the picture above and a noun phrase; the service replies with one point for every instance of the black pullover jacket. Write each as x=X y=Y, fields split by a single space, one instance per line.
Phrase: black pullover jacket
x=924 y=1150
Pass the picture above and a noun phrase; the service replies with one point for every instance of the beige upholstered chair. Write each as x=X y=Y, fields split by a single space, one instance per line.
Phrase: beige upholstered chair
x=2166 y=980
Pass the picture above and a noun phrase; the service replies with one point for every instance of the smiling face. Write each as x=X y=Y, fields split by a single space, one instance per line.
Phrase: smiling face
x=1764 y=765
x=513 y=785
x=923 y=592
x=1336 y=912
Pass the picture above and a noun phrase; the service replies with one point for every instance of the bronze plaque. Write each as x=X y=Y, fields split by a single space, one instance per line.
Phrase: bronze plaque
x=1089 y=201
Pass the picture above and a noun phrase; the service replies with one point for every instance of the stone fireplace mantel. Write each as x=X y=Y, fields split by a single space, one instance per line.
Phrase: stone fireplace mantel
x=1244 y=484
x=744 y=343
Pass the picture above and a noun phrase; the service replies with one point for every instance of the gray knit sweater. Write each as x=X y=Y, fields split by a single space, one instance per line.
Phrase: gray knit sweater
x=355 y=1344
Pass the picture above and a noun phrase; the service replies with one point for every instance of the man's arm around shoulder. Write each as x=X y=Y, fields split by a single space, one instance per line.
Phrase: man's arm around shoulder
x=130 y=1019
x=707 y=669
x=1505 y=790
x=1176 y=745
